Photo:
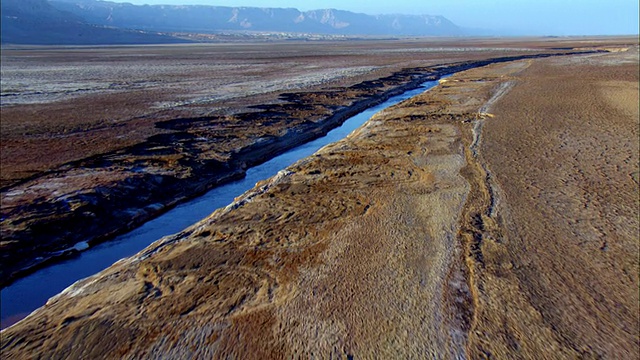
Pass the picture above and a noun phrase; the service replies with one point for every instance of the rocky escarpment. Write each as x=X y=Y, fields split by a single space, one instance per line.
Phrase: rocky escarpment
x=211 y=19
x=52 y=215
x=38 y=22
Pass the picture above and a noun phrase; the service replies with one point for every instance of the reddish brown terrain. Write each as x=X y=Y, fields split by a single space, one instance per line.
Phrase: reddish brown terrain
x=495 y=216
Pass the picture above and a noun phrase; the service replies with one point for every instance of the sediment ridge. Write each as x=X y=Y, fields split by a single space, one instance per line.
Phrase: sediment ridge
x=55 y=214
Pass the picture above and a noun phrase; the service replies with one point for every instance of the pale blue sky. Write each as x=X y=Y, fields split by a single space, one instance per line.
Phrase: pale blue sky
x=535 y=17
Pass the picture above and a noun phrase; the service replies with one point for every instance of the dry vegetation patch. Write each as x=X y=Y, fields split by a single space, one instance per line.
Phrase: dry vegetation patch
x=60 y=123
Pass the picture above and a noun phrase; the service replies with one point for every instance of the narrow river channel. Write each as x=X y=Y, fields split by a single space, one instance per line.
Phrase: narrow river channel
x=31 y=292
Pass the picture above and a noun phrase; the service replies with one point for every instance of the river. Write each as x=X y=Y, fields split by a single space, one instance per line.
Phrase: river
x=31 y=292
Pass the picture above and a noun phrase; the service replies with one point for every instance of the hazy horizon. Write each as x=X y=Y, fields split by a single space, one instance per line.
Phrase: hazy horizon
x=515 y=17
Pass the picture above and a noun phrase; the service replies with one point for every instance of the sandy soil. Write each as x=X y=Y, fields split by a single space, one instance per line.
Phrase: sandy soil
x=495 y=216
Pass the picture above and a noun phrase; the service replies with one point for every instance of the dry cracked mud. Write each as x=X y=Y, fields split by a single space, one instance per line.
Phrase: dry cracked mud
x=495 y=216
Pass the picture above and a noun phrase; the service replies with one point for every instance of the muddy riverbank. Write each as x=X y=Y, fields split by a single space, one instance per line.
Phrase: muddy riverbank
x=33 y=290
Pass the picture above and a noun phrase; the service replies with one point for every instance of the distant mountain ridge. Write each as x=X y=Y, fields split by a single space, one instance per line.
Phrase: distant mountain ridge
x=37 y=22
x=200 y=18
x=94 y=22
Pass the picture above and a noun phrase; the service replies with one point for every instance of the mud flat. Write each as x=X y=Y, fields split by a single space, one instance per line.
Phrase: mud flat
x=417 y=236
x=70 y=180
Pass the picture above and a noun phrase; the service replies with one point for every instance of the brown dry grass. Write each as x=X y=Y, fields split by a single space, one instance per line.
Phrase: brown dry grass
x=64 y=104
x=119 y=93
x=100 y=196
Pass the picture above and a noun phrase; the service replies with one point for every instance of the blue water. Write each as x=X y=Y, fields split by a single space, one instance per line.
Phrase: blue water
x=29 y=293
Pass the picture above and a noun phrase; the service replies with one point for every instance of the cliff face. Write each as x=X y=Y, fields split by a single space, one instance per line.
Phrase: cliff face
x=221 y=18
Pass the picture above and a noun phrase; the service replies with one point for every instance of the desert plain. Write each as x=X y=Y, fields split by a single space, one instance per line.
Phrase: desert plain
x=494 y=216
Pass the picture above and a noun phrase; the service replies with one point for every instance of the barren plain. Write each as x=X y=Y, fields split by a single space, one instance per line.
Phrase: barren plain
x=495 y=216
x=95 y=141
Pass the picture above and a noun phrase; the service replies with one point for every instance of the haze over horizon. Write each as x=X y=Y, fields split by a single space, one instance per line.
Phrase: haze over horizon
x=515 y=17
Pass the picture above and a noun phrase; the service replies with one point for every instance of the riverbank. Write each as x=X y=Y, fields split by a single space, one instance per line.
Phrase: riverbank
x=53 y=215
x=32 y=291
x=391 y=243
x=292 y=266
